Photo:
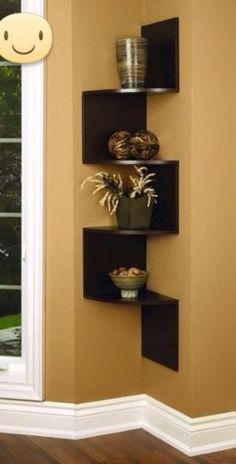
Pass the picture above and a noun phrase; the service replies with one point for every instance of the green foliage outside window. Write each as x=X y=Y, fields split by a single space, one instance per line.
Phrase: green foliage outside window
x=10 y=245
x=10 y=101
x=10 y=193
x=8 y=7
x=10 y=177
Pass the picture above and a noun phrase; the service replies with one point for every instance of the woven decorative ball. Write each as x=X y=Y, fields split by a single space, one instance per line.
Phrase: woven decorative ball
x=118 y=144
x=144 y=145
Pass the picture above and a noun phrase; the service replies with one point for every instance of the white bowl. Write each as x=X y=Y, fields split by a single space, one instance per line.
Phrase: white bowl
x=129 y=285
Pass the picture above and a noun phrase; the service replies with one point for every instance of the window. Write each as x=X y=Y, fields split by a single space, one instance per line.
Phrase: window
x=21 y=224
x=10 y=201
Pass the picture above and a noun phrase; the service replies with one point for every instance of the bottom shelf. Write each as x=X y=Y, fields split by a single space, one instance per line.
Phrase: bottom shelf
x=146 y=297
x=160 y=324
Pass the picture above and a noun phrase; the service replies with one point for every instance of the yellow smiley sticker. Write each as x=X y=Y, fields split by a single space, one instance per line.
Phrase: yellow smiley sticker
x=24 y=38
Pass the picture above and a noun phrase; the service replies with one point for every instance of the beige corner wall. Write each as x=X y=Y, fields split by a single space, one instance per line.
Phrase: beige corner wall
x=109 y=362
x=92 y=349
x=214 y=206
x=199 y=266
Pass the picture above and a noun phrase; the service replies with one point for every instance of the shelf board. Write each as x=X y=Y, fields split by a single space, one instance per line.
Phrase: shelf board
x=143 y=91
x=112 y=230
x=146 y=298
x=151 y=162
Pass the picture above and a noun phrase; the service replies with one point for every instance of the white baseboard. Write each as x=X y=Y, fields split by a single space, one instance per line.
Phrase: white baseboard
x=192 y=436
x=63 y=420
x=110 y=416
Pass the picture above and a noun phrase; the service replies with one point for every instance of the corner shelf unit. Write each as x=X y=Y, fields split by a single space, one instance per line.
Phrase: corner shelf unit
x=105 y=248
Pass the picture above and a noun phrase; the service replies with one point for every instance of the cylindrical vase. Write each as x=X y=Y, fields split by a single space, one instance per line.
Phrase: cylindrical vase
x=132 y=61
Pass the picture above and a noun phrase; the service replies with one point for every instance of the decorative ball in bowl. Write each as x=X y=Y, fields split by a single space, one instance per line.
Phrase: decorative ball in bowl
x=129 y=280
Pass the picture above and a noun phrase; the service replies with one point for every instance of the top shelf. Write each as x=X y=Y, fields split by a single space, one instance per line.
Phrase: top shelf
x=163 y=61
x=151 y=162
x=141 y=91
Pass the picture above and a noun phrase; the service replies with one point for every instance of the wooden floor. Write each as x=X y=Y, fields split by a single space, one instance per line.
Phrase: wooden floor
x=135 y=447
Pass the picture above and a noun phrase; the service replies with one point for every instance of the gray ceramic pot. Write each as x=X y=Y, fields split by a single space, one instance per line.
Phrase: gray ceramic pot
x=133 y=213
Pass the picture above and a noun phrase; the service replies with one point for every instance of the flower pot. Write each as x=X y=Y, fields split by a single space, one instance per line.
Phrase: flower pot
x=133 y=213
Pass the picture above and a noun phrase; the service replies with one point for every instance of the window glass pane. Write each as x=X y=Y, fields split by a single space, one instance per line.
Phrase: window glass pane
x=10 y=199
x=10 y=251
x=8 y=7
x=10 y=101
x=10 y=302
x=10 y=323
x=10 y=177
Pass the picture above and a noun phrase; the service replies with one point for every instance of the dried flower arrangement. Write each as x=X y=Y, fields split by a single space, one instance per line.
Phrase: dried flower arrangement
x=115 y=189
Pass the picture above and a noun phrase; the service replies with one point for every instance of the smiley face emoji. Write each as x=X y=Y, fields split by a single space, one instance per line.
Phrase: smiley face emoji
x=24 y=38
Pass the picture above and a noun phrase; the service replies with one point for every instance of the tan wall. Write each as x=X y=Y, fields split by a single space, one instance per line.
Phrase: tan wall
x=214 y=206
x=93 y=349
x=197 y=126
x=109 y=362
x=59 y=172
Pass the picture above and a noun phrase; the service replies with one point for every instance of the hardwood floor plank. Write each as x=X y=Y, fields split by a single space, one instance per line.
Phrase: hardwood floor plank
x=222 y=457
x=133 y=447
x=62 y=451
x=20 y=450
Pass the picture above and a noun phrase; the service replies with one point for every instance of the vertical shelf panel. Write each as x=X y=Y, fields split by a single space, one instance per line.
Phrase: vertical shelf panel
x=103 y=114
x=163 y=68
x=166 y=214
x=160 y=328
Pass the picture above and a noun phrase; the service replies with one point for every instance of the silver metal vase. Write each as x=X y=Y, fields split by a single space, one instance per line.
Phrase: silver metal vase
x=132 y=61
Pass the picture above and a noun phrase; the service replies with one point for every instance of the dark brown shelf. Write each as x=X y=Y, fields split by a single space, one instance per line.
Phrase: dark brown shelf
x=146 y=298
x=163 y=59
x=143 y=91
x=112 y=230
x=104 y=112
x=160 y=333
x=152 y=162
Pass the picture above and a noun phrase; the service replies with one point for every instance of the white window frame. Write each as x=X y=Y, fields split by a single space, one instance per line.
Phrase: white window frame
x=22 y=377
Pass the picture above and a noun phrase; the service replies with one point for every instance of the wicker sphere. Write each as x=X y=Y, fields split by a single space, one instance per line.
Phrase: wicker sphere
x=118 y=144
x=144 y=145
